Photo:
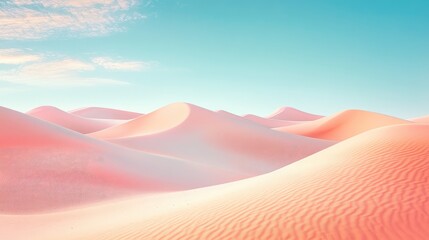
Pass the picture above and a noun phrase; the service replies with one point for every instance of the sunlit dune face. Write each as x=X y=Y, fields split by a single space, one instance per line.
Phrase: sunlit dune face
x=343 y=125
x=292 y=114
x=158 y=121
x=180 y=170
x=372 y=186
x=424 y=119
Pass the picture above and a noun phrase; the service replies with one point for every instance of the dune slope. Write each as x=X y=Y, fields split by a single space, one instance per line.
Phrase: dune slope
x=105 y=113
x=424 y=119
x=44 y=166
x=70 y=121
x=270 y=122
x=224 y=140
x=292 y=114
x=372 y=186
x=342 y=125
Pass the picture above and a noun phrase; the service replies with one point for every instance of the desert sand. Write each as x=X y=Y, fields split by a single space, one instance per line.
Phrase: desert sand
x=424 y=119
x=293 y=114
x=218 y=139
x=72 y=121
x=45 y=166
x=185 y=172
x=342 y=125
x=105 y=113
x=271 y=122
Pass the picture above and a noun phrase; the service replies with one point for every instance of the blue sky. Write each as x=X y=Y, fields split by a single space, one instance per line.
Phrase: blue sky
x=241 y=56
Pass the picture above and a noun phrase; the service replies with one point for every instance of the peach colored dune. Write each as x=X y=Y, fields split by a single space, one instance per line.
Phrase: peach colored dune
x=105 y=113
x=44 y=166
x=424 y=119
x=185 y=172
x=218 y=139
x=71 y=121
x=292 y=114
x=342 y=125
x=371 y=186
x=271 y=122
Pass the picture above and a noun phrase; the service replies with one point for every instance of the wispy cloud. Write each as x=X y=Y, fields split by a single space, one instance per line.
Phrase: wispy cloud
x=65 y=72
x=34 y=19
x=56 y=68
x=25 y=67
x=111 y=64
x=17 y=56
x=10 y=90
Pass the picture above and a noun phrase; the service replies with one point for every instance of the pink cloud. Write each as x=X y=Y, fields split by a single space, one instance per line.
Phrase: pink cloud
x=30 y=19
x=111 y=64
x=17 y=56
x=56 y=68
x=63 y=72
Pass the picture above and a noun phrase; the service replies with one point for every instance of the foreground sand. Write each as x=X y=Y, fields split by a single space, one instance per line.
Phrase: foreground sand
x=373 y=185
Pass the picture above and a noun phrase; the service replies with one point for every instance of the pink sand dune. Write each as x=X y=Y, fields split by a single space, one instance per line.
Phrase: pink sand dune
x=71 y=121
x=271 y=122
x=44 y=166
x=372 y=186
x=342 y=125
x=292 y=114
x=105 y=113
x=424 y=119
x=190 y=132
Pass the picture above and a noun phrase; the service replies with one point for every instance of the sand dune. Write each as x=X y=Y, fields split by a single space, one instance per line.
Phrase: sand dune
x=372 y=186
x=268 y=122
x=44 y=166
x=271 y=122
x=424 y=119
x=224 y=140
x=105 y=113
x=184 y=172
x=157 y=121
x=342 y=125
x=71 y=121
x=292 y=114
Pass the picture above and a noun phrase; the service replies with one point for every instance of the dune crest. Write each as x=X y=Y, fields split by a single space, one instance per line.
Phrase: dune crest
x=186 y=131
x=105 y=113
x=70 y=121
x=342 y=125
x=293 y=114
x=271 y=122
x=160 y=120
x=424 y=119
x=45 y=167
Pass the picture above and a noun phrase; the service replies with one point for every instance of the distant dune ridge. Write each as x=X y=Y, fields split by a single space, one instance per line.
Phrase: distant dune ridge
x=71 y=121
x=45 y=166
x=424 y=119
x=217 y=139
x=271 y=122
x=105 y=113
x=342 y=125
x=185 y=172
x=293 y=114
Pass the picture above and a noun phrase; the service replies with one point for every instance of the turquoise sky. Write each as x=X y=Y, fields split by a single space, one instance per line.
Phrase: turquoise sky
x=241 y=56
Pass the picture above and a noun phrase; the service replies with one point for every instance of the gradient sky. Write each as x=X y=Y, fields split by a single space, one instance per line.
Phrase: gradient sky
x=241 y=56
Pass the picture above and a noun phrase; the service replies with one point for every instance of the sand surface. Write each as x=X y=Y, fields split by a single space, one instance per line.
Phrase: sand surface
x=342 y=125
x=71 y=121
x=105 y=113
x=185 y=172
x=293 y=114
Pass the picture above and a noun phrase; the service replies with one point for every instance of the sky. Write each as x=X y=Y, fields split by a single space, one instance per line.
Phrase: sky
x=241 y=56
